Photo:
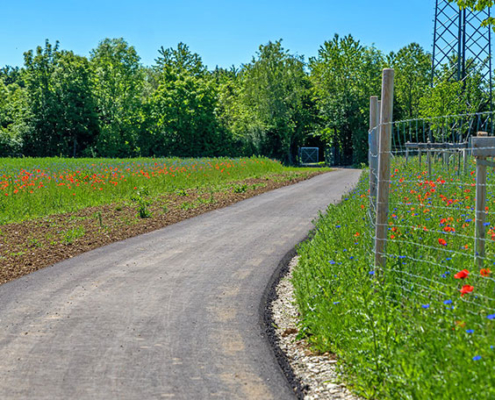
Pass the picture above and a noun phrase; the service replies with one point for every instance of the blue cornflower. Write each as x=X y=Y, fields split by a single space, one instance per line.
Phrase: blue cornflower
x=425 y=306
x=447 y=302
x=372 y=272
x=332 y=262
x=476 y=358
x=336 y=302
x=491 y=316
x=470 y=331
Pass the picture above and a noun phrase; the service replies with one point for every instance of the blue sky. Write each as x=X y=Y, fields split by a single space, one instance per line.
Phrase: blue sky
x=222 y=32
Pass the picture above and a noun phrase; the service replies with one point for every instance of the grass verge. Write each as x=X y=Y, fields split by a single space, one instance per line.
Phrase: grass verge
x=411 y=331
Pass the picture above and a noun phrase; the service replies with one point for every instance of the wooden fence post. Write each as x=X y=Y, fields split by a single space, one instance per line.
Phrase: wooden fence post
x=464 y=160
x=379 y=111
x=385 y=139
x=480 y=216
x=458 y=163
x=373 y=147
x=428 y=159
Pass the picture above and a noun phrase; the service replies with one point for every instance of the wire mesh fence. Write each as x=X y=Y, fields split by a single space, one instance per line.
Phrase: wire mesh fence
x=439 y=248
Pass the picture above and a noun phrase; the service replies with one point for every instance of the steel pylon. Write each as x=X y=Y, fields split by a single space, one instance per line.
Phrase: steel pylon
x=461 y=46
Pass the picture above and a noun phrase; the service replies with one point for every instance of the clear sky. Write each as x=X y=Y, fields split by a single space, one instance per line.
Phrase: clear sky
x=223 y=32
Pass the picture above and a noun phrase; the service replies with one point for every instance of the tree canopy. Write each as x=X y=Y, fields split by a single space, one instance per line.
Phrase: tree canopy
x=110 y=105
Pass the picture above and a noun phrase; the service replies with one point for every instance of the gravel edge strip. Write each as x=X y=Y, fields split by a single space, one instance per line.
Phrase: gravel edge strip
x=313 y=376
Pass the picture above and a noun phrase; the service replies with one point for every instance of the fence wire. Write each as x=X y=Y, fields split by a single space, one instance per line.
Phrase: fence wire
x=431 y=248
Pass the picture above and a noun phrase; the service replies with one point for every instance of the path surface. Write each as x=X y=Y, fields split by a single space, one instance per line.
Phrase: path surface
x=173 y=314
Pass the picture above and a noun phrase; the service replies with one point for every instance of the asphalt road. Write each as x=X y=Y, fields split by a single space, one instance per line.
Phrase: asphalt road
x=173 y=314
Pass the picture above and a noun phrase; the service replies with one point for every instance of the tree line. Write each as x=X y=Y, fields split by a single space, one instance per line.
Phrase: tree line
x=110 y=105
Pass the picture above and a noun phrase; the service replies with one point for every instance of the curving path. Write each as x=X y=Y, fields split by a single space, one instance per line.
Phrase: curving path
x=173 y=314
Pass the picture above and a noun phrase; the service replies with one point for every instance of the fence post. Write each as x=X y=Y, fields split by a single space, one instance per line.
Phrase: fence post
x=428 y=159
x=385 y=139
x=464 y=160
x=407 y=152
x=458 y=163
x=373 y=144
x=419 y=157
x=480 y=216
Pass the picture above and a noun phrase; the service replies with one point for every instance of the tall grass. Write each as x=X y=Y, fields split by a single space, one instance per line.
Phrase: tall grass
x=411 y=331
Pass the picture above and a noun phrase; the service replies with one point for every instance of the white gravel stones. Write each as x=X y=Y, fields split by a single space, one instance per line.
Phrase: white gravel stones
x=317 y=372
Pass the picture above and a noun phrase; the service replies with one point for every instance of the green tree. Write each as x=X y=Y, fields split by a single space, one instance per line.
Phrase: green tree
x=276 y=89
x=234 y=114
x=477 y=5
x=184 y=107
x=62 y=118
x=180 y=61
x=11 y=75
x=452 y=97
x=117 y=82
x=345 y=74
x=412 y=67
x=13 y=113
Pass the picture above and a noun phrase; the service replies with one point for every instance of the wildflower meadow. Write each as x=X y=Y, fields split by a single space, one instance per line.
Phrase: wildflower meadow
x=423 y=327
x=35 y=187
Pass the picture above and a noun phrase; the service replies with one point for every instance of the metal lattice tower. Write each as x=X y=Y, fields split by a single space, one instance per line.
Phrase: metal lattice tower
x=460 y=43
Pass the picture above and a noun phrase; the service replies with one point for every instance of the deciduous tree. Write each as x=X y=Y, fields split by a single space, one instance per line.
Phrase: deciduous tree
x=117 y=81
x=276 y=88
x=345 y=74
x=61 y=118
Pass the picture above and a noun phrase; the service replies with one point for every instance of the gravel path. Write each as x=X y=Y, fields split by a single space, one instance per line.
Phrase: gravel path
x=170 y=314
x=316 y=373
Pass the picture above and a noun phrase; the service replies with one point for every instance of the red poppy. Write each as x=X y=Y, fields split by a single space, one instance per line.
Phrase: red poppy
x=443 y=242
x=485 y=272
x=466 y=289
x=462 y=275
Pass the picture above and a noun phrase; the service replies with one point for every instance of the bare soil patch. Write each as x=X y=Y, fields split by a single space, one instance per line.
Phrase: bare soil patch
x=29 y=246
